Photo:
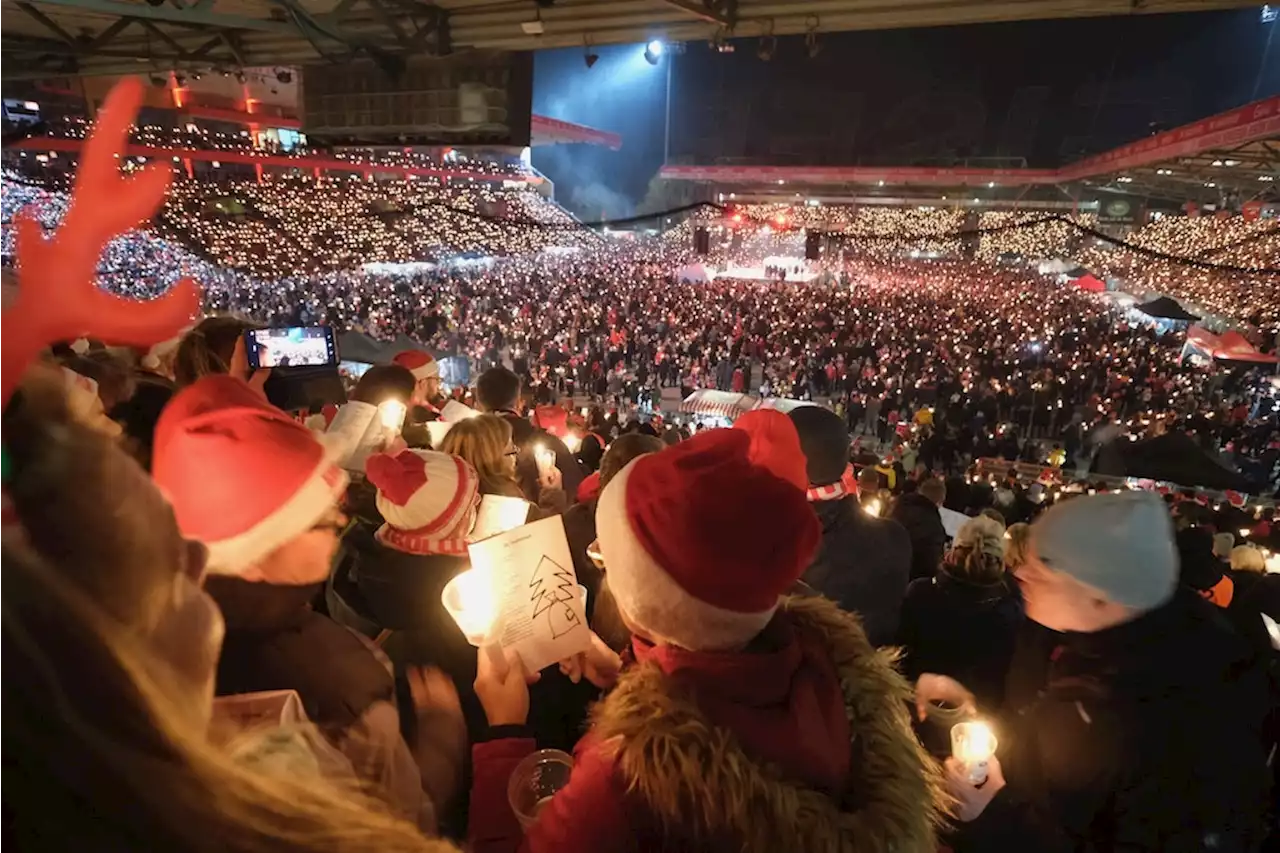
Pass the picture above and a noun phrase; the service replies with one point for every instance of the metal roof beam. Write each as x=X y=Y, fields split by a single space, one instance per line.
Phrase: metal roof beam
x=724 y=12
x=191 y=15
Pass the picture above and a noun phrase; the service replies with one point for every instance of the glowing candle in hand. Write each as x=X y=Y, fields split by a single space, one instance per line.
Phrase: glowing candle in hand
x=972 y=744
x=470 y=601
x=392 y=413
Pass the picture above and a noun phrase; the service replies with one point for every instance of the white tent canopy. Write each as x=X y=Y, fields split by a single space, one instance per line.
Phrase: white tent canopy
x=724 y=404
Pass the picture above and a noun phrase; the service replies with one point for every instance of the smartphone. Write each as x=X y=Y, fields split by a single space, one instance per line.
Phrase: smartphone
x=291 y=346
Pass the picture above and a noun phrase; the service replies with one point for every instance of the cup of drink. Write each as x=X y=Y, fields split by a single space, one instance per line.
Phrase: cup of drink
x=535 y=781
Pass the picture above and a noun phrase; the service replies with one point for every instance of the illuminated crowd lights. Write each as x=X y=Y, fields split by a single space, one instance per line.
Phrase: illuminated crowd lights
x=893 y=325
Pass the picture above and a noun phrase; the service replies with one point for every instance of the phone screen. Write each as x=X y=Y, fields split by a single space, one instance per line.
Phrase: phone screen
x=291 y=346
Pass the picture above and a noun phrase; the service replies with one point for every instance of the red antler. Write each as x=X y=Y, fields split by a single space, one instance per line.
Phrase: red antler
x=59 y=298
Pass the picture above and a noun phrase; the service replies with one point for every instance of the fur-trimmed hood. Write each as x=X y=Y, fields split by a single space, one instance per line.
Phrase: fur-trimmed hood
x=702 y=787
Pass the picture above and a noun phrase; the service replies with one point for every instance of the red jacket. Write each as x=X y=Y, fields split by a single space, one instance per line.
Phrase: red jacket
x=772 y=755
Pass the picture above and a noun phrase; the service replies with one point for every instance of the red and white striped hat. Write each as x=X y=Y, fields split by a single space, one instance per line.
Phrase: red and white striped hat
x=428 y=500
x=422 y=365
x=243 y=477
x=701 y=539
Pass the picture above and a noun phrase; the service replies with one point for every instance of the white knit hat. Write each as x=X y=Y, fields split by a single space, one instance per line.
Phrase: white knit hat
x=428 y=499
x=1121 y=544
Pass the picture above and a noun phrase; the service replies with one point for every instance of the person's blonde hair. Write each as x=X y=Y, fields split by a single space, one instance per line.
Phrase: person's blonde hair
x=95 y=724
x=1248 y=558
x=483 y=441
x=1017 y=538
x=977 y=555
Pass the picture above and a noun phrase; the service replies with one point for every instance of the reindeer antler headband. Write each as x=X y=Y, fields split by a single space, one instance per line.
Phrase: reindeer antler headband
x=58 y=298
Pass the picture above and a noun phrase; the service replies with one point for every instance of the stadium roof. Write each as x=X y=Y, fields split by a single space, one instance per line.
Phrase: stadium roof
x=57 y=37
x=1238 y=150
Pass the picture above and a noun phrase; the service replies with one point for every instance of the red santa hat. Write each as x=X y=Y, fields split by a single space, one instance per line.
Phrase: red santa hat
x=701 y=539
x=422 y=365
x=428 y=500
x=244 y=478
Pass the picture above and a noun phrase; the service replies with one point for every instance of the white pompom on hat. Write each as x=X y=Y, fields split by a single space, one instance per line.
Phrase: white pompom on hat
x=1121 y=544
x=243 y=477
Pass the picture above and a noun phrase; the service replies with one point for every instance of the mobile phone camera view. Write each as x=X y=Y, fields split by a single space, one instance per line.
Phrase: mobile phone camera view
x=296 y=346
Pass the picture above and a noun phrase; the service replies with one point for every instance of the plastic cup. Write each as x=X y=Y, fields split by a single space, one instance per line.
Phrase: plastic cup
x=535 y=781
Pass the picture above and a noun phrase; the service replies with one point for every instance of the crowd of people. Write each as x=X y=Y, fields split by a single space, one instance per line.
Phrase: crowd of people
x=251 y=610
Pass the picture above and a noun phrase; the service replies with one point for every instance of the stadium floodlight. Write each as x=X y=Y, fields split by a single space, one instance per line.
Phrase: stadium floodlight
x=653 y=51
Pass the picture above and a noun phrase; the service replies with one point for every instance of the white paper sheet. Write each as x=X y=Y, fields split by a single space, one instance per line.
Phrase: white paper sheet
x=541 y=613
x=437 y=430
x=498 y=514
x=454 y=411
x=355 y=434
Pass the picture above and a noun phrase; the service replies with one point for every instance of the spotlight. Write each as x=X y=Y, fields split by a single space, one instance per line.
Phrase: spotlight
x=179 y=80
x=768 y=46
x=591 y=59
x=240 y=78
x=196 y=75
x=653 y=51
x=284 y=75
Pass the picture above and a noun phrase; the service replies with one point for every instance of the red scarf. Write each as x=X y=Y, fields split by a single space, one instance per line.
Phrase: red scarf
x=846 y=485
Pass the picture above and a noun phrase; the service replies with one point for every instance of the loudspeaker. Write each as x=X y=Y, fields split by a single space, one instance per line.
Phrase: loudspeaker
x=701 y=241
x=812 y=245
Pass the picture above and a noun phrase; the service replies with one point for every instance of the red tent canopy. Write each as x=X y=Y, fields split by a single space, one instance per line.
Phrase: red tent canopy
x=1089 y=283
x=1231 y=346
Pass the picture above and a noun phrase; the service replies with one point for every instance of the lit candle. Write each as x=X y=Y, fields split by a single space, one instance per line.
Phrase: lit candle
x=470 y=600
x=972 y=744
x=392 y=414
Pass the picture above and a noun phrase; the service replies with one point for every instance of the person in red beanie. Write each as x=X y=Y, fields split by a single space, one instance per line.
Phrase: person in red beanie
x=746 y=721
x=262 y=494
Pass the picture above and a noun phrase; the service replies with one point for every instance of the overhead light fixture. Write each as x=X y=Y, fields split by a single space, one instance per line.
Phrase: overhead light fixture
x=1217 y=163
x=653 y=51
x=534 y=27
x=240 y=78
x=196 y=75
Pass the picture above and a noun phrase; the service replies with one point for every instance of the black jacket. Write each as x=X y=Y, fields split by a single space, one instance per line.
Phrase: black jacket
x=274 y=641
x=923 y=522
x=1145 y=736
x=965 y=630
x=391 y=590
x=526 y=437
x=862 y=564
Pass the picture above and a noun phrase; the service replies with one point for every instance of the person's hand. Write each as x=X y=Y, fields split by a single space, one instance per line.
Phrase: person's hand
x=433 y=692
x=240 y=369
x=599 y=663
x=972 y=800
x=550 y=478
x=503 y=691
x=942 y=688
